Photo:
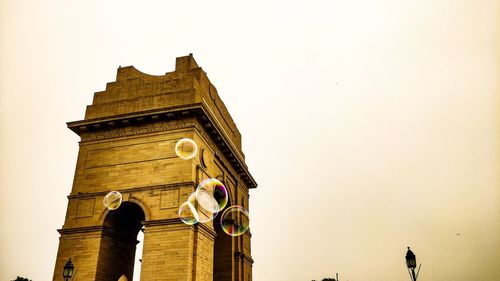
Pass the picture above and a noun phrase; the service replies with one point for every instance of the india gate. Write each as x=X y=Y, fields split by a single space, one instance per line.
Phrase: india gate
x=127 y=144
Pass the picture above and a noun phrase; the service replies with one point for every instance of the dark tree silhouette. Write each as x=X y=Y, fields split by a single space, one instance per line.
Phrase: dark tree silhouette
x=328 y=279
x=21 y=279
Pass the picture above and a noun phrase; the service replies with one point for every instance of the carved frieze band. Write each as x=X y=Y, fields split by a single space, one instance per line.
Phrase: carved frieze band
x=138 y=129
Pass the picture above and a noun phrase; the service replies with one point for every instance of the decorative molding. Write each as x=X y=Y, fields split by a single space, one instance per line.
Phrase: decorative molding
x=80 y=230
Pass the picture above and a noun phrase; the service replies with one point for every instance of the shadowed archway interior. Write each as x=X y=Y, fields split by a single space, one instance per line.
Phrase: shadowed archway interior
x=118 y=243
x=223 y=251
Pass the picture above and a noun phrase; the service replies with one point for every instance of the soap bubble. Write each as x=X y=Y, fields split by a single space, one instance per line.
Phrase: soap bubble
x=200 y=213
x=112 y=200
x=187 y=213
x=235 y=220
x=186 y=148
x=212 y=188
x=207 y=201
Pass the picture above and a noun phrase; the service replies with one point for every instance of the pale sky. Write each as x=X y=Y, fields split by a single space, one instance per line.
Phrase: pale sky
x=370 y=126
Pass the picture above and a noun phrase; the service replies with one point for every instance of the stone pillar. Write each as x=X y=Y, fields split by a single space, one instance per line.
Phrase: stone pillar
x=176 y=251
x=82 y=246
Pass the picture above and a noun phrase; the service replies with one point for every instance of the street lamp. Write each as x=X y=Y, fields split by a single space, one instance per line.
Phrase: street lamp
x=411 y=263
x=68 y=270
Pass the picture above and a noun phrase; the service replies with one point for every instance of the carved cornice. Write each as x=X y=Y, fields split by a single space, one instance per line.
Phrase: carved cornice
x=81 y=230
x=130 y=124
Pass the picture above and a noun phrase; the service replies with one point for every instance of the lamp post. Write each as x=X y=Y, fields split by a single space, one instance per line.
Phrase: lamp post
x=68 y=270
x=411 y=263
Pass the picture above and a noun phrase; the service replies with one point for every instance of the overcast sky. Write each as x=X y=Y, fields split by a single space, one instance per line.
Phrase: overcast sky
x=370 y=126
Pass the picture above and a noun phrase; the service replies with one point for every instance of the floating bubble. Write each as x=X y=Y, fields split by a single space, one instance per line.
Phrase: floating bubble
x=200 y=213
x=235 y=220
x=186 y=148
x=187 y=213
x=112 y=200
x=212 y=188
x=207 y=201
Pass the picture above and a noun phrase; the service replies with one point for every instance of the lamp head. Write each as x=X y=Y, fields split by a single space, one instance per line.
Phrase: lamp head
x=68 y=269
x=411 y=260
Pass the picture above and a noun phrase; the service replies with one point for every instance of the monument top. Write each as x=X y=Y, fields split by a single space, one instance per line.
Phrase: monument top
x=138 y=97
x=135 y=92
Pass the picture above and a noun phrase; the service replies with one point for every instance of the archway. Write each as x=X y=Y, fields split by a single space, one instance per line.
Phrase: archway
x=223 y=251
x=118 y=242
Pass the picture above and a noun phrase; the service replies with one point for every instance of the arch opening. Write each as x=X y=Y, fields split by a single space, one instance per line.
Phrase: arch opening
x=118 y=242
x=223 y=251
